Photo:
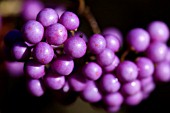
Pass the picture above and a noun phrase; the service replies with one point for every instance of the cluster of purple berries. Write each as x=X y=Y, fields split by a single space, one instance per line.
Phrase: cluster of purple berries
x=52 y=54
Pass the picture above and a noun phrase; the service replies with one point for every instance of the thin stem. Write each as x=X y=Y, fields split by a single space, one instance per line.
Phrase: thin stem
x=124 y=55
x=85 y=11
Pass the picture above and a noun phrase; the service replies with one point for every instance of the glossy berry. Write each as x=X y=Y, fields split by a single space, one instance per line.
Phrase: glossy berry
x=134 y=100
x=54 y=81
x=112 y=66
x=127 y=71
x=138 y=39
x=157 y=51
x=113 y=99
x=77 y=82
x=56 y=34
x=70 y=20
x=158 y=31
x=62 y=65
x=96 y=43
x=35 y=87
x=145 y=66
x=112 y=43
x=43 y=53
x=109 y=83
x=92 y=71
x=91 y=93
x=162 y=72
x=34 y=69
x=75 y=47
x=20 y=51
x=33 y=31
x=47 y=16
x=131 y=88
x=115 y=32
x=106 y=57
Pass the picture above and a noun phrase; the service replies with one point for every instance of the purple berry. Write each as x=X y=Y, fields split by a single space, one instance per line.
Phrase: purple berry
x=77 y=82
x=56 y=34
x=34 y=69
x=14 y=68
x=31 y=8
x=106 y=57
x=157 y=51
x=134 y=100
x=112 y=66
x=75 y=47
x=35 y=87
x=138 y=39
x=62 y=65
x=167 y=56
x=91 y=93
x=70 y=20
x=127 y=71
x=47 y=16
x=20 y=51
x=92 y=71
x=43 y=53
x=109 y=83
x=96 y=43
x=33 y=31
x=54 y=81
x=131 y=88
x=162 y=72
x=112 y=43
x=158 y=31
x=113 y=99
x=115 y=32
x=145 y=66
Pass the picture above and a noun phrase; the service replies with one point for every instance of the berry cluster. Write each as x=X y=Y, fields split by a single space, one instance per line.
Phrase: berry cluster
x=105 y=69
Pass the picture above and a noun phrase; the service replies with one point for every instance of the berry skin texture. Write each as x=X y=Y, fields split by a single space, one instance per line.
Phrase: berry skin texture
x=34 y=69
x=112 y=43
x=33 y=31
x=115 y=32
x=62 y=65
x=109 y=83
x=157 y=51
x=43 y=53
x=56 y=34
x=106 y=57
x=96 y=43
x=54 y=81
x=75 y=47
x=47 y=16
x=70 y=20
x=158 y=31
x=92 y=71
x=146 y=67
x=138 y=39
x=127 y=71
x=131 y=88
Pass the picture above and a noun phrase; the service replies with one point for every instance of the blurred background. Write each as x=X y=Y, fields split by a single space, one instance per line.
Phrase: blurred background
x=122 y=14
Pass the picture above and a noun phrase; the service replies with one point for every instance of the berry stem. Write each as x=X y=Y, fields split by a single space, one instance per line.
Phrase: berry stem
x=125 y=53
x=85 y=11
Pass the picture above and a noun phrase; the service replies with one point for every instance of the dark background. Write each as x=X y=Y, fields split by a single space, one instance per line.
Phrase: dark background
x=123 y=14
